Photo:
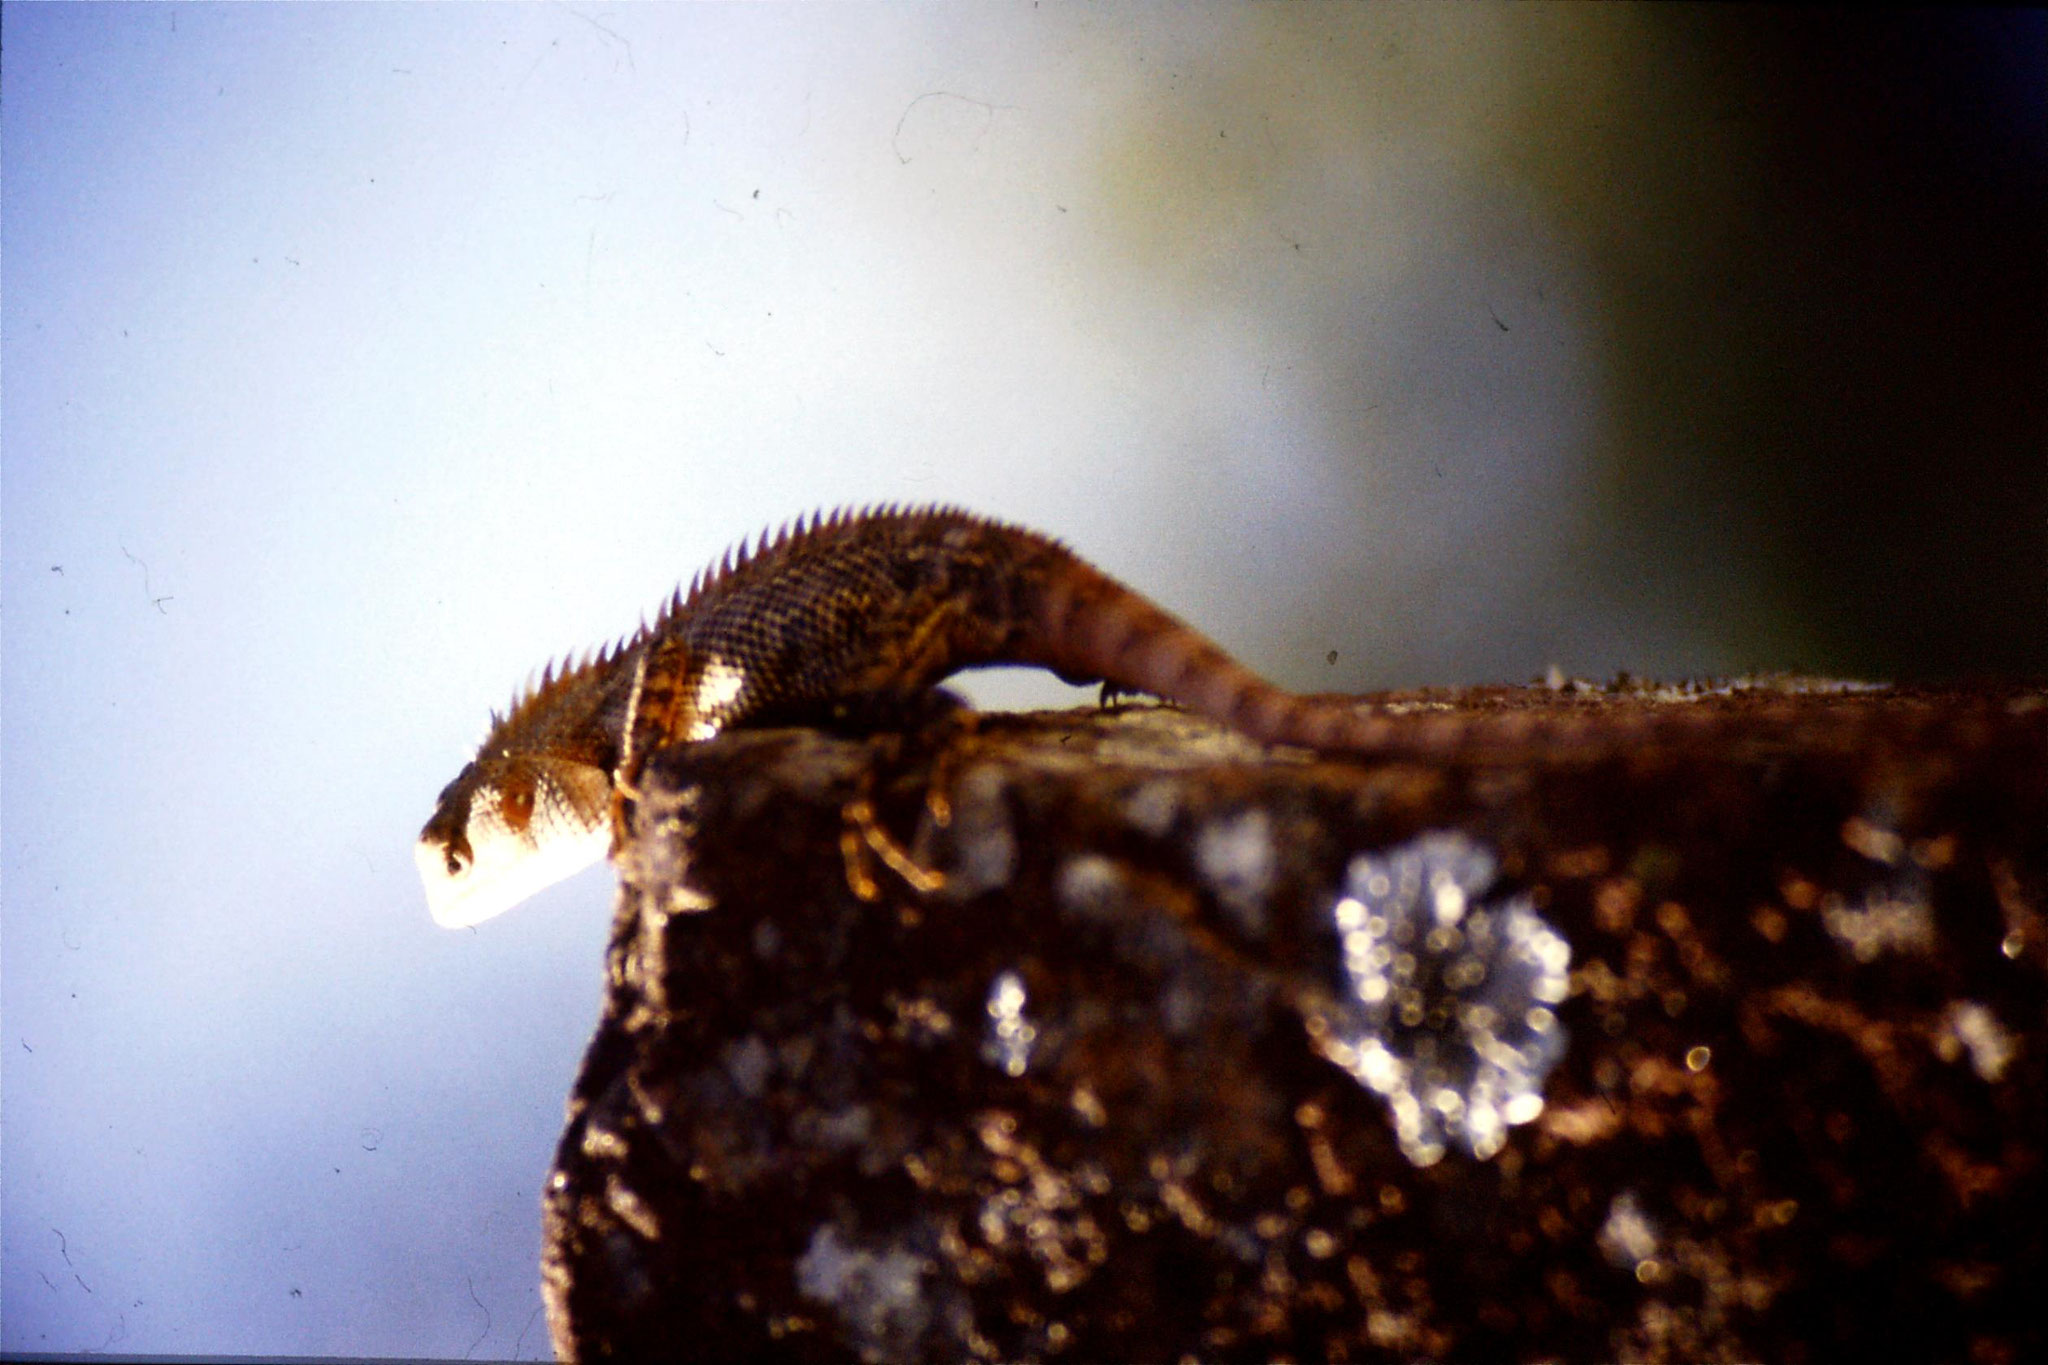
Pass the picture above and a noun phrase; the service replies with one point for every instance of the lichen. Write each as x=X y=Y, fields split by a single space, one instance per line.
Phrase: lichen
x=1010 y=1036
x=1448 y=1011
x=878 y=1295
x=1237 y=856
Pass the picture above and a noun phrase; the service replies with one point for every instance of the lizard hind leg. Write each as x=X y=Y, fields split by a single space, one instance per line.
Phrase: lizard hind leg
x=1112 y=696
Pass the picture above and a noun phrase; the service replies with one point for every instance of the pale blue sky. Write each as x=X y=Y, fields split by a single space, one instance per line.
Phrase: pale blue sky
x=359 y=359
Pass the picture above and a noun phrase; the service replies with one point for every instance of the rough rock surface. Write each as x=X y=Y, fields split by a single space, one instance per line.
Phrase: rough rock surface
x=1112 y=1037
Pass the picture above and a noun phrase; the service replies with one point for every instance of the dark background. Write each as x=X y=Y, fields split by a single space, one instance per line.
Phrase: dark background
x=1840 y=363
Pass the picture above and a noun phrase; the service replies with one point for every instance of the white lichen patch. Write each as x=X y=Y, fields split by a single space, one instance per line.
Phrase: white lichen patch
x=1780 y=684
x=1449 y=1007
x=748 y=1063
x=1090 y=884
x=1153 y=807
x=1237 y=857
x=878 y=1296
x=1887 y=918
x=1970 y=1028
x=984 y=843
x=1011 y=1036
x=1628 y=1238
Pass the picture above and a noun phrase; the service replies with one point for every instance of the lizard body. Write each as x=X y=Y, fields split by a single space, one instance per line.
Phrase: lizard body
x=847 y=615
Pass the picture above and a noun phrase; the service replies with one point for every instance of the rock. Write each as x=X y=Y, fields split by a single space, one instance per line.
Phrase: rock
x=1111 y=1036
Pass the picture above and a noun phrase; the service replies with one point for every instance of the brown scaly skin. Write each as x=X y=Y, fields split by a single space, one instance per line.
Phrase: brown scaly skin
x=860 y=614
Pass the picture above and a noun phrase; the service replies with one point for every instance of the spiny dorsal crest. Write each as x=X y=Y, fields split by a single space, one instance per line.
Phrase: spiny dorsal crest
x=796 y=537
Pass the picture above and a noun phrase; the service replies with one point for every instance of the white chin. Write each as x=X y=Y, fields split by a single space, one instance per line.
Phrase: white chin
x=506 y=869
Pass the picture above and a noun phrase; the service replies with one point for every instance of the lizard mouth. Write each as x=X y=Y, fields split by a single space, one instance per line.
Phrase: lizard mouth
x=513 y=839
x=504 y=870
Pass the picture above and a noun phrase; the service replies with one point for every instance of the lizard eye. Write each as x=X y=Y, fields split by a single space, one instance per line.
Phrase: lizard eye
x=456 y=863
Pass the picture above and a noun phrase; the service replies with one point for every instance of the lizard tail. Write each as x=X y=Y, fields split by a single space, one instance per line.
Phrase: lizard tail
x=1085 y=625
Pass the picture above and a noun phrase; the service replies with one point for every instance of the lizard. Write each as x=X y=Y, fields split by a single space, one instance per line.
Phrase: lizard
x=840 y=616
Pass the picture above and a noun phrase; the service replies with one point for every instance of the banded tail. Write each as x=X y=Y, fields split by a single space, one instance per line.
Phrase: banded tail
x=1085 y=625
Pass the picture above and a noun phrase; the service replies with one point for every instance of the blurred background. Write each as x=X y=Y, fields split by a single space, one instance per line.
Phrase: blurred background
x=357 y=360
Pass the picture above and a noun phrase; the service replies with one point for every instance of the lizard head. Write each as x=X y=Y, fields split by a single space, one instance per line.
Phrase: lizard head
x=508 y=826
